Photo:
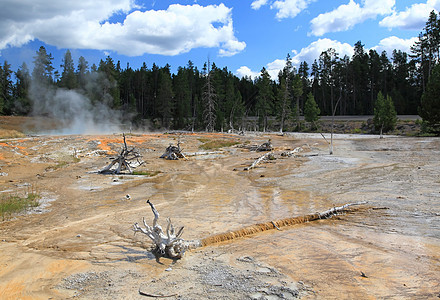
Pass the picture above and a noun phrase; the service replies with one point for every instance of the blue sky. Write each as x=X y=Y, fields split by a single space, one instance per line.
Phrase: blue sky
x=243 y=36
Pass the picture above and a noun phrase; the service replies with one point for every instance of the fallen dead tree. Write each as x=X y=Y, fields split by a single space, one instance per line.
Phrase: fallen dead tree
x=267 y=156
x=293 y=153
x=170 y=244
x=267 y=146
x=173 y=152
x=275 y=225
x=125 y=161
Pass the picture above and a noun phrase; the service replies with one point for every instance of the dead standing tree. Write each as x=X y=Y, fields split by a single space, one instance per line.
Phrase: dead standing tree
x=124 y=161
x=209 y=99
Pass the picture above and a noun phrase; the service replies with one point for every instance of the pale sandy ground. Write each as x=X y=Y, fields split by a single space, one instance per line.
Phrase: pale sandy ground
x=79 y=244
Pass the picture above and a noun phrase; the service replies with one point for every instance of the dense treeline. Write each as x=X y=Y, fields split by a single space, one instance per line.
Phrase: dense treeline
x=214 y=99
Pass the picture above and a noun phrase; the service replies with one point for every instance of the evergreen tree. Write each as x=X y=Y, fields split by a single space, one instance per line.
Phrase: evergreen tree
x=82 y=72
x=385 y=117
x=6 y=88
x=108 y=84
x=182 y=99
x=284 y=92
x=430 y=104
x=165 y=96
x=265 y=98
x=22 y=104
x=68 y=79
x=41 y=89
x=43 y=69
x=311 y=110
x=297 y=93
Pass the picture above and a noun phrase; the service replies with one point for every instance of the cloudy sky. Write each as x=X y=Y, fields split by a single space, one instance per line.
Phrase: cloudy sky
x=243 y=36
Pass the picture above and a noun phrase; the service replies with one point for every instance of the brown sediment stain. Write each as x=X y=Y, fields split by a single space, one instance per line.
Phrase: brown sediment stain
x=253 y=229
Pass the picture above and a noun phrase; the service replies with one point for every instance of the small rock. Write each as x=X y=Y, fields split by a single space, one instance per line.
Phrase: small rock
x=78 y=235
x=169 y=269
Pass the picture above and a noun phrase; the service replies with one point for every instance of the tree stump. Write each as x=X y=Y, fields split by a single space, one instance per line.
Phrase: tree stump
x=123 y=162
x=167 y=244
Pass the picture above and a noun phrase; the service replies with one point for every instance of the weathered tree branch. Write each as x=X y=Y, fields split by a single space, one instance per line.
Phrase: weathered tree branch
x=123 y=161
x=259 y=160
x=167 y=244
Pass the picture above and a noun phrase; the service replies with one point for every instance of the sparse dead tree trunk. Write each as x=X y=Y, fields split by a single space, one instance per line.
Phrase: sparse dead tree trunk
x=333 y=123
x=124 y=161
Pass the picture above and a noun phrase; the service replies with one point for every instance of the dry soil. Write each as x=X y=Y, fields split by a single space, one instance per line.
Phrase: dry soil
x=79 y=244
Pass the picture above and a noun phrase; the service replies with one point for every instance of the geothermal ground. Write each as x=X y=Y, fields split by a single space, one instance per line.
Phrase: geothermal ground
x=79 y=243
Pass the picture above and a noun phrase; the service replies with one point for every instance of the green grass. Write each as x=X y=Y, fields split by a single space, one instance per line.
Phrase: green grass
x=12 y=204
x=63 y=163
x=216 y=144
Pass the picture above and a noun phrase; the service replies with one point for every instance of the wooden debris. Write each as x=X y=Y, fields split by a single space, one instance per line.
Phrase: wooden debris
x=124 y=161
x=171 y=245
x=156 y=295
x=267 y=156
x=173 y=152
x=256 y=228
x=293 y=153
x=267 y=146
x=167 y=244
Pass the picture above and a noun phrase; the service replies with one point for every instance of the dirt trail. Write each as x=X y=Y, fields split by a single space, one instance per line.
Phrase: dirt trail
x=81 y=244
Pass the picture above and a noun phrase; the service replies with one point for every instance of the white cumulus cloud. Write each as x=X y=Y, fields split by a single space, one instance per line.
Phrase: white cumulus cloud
x=244 y=71
x=346 y=16
x=285 y=8
x=308 y=54
x=414 y=17
x=85 y=25
x=391 y=43
x=314 y=50
x=258 y=3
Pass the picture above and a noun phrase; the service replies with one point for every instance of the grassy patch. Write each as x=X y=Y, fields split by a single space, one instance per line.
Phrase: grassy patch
x=12 y=204
x=146 y=173
x=63 y=163
x=10 y=134
x=216 y=144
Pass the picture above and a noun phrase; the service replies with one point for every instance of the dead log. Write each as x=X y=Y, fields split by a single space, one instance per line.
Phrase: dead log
x=293 y=153
x=173 y=152
x=267 y=146
x=278 y=224
x=266 y=156
x=170 y=243
x=124 y=161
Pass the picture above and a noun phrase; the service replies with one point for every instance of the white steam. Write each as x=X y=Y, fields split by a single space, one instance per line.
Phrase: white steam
x=73 y=112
